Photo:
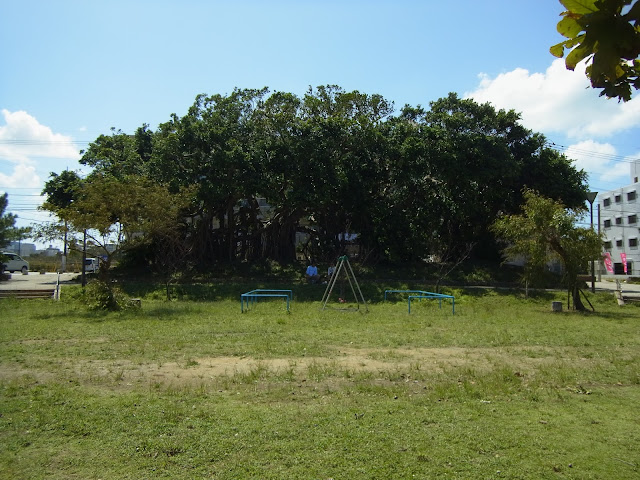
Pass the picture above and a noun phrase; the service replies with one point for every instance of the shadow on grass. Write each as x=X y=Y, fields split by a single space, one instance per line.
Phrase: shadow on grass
x=155 y=312
x=88 y=314
x=626 y=315
x=373 y=291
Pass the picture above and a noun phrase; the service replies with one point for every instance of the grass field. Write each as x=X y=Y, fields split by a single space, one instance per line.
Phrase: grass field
x=193 y=389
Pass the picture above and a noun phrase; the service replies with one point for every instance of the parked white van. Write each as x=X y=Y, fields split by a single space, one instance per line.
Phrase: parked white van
x=15 y=263
x=91 y=265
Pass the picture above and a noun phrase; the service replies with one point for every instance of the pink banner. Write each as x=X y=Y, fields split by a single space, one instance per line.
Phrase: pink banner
x=607 y=262
x=623 y=257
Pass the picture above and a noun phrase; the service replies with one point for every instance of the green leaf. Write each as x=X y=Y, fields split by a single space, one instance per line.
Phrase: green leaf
x=569 y=27
x=582 y=7
x=608 y=63
x=557 y=50
x=567 y=44
x=576 y=56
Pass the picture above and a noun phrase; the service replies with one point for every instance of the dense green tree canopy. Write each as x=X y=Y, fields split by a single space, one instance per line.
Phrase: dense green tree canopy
x=119 y=154
x=61 y=190
x=269 y=173
x=607 y=34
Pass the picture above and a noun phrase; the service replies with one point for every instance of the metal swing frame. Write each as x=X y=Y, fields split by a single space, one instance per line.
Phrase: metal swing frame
x=344 y=264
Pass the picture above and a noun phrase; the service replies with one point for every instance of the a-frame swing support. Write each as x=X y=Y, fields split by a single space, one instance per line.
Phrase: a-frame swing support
x=343 y=264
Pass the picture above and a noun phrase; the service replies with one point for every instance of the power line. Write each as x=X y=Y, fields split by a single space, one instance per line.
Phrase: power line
x=29 y=142
x=609 y=158
x=605 y=156
x=26 y=195
x=35 y=220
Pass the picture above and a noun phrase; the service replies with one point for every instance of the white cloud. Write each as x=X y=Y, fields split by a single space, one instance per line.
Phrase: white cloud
x=23 y=176
x=25 y=142
x=558 y=101
x=23 y=138
x=601 y=161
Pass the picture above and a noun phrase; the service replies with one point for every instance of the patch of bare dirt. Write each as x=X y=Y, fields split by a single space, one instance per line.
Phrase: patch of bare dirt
x=379 y=362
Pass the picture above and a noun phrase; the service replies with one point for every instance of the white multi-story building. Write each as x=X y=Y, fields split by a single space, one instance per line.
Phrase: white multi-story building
x=619 y=212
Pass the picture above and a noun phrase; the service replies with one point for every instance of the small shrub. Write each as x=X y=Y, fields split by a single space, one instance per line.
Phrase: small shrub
x=105 y=295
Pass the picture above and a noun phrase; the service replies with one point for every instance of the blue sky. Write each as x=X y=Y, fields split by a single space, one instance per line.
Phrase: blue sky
x=74 y=69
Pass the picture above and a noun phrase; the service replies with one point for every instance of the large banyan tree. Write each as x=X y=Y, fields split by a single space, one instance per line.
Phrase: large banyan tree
x=273 y=174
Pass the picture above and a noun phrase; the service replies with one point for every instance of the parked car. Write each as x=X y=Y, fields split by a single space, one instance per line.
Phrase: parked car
x=14 y=263
x=91 y=265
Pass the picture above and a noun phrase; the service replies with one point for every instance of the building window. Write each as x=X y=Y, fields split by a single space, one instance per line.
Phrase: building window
x=607 y=245
x=618 y=220
x=633 y=243
x=606 y=202
x=607 y=223
x=619 y=243
x=631 y=196
x=618 y=269
x=633 y=219
x=618 y=198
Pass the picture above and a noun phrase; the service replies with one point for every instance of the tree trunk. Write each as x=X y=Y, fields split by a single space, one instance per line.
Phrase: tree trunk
x=575 y=295
x=280 y=237
x=231 y=238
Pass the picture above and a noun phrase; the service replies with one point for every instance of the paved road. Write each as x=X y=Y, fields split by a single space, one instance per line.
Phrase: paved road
x=631 y=289
x=36 y=281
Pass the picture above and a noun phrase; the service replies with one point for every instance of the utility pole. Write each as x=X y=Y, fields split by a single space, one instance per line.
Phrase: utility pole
x=591 y=196
x=600 y=259
x=64 y=253
x=84 y=259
